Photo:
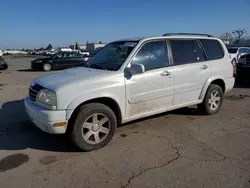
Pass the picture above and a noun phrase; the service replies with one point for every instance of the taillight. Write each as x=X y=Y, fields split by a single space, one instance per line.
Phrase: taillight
x=234 y=69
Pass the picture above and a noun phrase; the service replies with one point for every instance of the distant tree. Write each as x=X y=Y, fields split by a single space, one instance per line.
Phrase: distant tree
x=238 y=33
x=227 y=37
x=100 y=42
x=77 y=46
x=87 y=42
x=49 y=47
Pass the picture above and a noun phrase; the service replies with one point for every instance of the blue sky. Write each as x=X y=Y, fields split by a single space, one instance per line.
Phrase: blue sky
x=35 y=23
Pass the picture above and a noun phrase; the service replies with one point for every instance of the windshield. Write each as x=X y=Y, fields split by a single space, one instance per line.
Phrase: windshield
x=112 y=56
x=232 y=50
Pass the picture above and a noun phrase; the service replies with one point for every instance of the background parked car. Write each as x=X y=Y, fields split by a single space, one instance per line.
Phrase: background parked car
x=236 y=52
x=243 y=67
x=14 y=52
x=59 y=60
x=3 y=64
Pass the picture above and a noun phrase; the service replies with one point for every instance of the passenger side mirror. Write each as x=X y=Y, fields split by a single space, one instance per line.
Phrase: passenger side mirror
x=135 y=68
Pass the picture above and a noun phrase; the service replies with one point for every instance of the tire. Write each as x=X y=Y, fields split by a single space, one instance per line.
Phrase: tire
x=47 y=67
x=206 y=106
x=86 y=131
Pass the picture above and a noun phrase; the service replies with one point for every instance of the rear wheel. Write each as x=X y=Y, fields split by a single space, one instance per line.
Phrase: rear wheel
x=47 y=67
x=213 y=100
x=94 y=127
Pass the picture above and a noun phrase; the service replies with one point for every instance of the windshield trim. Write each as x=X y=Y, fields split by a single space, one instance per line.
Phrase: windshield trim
x=123 y=61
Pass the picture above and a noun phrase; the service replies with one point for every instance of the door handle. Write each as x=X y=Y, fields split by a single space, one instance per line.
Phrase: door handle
x=204 y=67
x=165 y=73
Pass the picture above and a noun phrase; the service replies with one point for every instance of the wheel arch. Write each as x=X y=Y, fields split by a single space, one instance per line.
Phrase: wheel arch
x=218 y=80
x=108 y=101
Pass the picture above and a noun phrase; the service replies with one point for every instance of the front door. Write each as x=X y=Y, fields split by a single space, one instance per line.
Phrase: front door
x=150 y=92
x=191 y=70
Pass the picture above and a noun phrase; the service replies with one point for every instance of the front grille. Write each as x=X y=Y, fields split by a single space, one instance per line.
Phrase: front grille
x=33 y=91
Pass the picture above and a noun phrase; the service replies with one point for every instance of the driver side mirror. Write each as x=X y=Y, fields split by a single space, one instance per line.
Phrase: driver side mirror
x=135 y=68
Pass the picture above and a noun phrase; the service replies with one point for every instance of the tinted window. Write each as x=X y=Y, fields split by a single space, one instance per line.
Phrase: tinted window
x=152 y=55
x=213 y=49
x=244 y=50
x=186 y=51
x=74 y=54
x=200 y=56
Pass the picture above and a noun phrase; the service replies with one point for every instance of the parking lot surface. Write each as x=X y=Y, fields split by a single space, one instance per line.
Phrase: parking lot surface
x=180 y=148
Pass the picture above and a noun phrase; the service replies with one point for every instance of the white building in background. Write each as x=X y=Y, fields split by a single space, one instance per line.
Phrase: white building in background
x=81 y=47
x=88 y=47
x=94 y=46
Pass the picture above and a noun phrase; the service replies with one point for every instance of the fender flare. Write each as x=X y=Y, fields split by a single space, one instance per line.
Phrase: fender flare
x=207 y=84
x=80 y=100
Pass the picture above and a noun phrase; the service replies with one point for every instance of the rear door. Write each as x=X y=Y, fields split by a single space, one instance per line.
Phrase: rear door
x=191 y=70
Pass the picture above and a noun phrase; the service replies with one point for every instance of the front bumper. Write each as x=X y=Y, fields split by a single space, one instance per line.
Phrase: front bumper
x=44 y=118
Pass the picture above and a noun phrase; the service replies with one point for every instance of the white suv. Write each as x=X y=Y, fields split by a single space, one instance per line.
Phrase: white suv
x=128 y=80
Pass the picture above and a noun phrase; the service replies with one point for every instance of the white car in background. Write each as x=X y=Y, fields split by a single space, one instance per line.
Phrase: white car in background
x=14 y=52
x=1 y=53
x=236 y=52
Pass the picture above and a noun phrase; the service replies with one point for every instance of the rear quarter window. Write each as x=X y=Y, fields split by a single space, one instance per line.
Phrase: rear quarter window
x=212 y=48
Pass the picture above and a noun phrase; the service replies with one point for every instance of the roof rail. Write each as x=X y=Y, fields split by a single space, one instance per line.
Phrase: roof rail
x=195 y=34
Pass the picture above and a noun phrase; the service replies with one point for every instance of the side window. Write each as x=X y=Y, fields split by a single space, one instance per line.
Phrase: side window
x=213 y=49
x=186 y=51
x=73 y=54
x=152 y=55
x=200 y=56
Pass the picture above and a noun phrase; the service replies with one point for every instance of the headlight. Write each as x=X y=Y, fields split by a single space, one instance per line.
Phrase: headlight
x=47 y=97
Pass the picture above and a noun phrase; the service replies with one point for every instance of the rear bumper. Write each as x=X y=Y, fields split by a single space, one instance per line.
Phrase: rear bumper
x=45 y=119
x=229 y=83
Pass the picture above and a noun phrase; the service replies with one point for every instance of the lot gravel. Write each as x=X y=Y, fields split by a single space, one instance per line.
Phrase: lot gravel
x=176 y=149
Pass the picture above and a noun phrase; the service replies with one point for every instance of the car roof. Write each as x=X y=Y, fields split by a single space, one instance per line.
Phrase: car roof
x=137 y=39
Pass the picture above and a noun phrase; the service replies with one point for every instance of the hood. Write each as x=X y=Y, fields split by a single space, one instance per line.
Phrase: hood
x=71 y=76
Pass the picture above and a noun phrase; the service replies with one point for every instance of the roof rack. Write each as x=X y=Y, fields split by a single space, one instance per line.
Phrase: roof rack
x=195 y=34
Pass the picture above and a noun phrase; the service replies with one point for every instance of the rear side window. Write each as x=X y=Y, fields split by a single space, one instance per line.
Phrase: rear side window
x=212 y=48
x=186 y=51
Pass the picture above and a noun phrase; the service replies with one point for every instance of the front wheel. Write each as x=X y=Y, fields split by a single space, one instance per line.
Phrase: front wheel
x=213 y=100
x=94 y=127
